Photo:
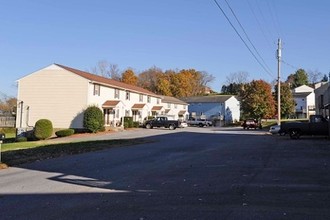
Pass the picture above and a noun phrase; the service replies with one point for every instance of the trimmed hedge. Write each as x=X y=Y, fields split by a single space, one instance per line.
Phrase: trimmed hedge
x=21 y=139
x=128 y=122
x=64 y=132
x=136 y=124
x=93 y=119
x=43 y=129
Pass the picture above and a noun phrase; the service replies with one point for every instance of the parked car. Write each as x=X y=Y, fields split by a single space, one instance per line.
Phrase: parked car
x=161 y=122
x=183 y=124
x=251 y=123
x=199 y=122
x=317 y=125
x=276 y=129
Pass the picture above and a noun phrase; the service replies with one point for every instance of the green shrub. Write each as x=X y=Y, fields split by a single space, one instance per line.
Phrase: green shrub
x=126 y=125
x=129 y=121
x=43 y=129
x=93 y=119
x=21 y=139
x=64 y=132
x=136 y=124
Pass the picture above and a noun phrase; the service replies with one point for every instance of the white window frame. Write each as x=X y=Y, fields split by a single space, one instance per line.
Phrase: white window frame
x=97 y=89
x=128 y=95
x=117 y=92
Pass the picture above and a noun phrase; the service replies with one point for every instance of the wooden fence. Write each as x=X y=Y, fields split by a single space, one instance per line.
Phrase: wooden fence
x=7 y=122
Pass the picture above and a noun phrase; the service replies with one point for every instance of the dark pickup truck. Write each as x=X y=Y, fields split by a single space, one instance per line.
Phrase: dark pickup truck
x=317 y=125
x=161 y=122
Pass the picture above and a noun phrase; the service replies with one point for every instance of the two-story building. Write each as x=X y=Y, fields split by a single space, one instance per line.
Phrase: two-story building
x=322 y=99
x=224 y=108
x=304 y=98
x=61 y=94
x=175 y=108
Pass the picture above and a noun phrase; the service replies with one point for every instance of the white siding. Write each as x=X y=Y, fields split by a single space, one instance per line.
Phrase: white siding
x=108 y=93
x=232 y=110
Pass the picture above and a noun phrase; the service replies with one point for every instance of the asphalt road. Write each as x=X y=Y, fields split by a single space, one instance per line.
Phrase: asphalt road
x=191 y=173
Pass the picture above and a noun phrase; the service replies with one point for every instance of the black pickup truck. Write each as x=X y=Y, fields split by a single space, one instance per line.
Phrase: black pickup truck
x=161 y=122
x=317 y=125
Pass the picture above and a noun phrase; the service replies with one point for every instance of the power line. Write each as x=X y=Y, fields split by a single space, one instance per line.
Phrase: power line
x=260 y=26
x=231 y=24
x=275 y=17
x=246 y=35
x=290 y=65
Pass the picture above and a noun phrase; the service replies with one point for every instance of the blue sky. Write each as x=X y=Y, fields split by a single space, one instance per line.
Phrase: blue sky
x=171 y=34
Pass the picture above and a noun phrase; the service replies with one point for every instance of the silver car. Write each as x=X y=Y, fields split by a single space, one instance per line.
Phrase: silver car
x=276 y=129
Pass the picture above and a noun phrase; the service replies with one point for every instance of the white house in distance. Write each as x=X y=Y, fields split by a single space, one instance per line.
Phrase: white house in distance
x=304 y=98
x=223 y=107
x=61 y=94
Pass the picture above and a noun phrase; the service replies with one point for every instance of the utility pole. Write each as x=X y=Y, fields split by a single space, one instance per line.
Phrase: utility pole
x=279 y=54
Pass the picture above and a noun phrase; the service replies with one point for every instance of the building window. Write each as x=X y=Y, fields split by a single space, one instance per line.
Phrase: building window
x=184 y=107
x=127 y=112
x=148 y=99
x=141 y=97
x=175 y=106
x=168 y=105
x=97 y=88
x=158 y=101
x=116 y=93
x=127 y=95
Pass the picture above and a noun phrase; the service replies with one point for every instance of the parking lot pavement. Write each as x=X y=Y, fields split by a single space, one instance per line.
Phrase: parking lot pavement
x=142 y=132
x=193 y=173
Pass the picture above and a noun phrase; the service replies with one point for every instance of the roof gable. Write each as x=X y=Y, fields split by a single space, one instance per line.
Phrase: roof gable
x=107 y=81
x=302 y=89
x=208 y=99
x=170 y=99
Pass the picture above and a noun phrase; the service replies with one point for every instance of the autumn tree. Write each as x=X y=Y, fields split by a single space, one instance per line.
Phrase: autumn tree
x=129 y=77
x=163 y=86
x=148 y=79
x=187 y=79
x=257 y=100
x=203 y=80
x=287 y=101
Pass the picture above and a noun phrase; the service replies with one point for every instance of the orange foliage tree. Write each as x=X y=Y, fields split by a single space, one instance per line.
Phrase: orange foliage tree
x=257 y=100
x=129 y=77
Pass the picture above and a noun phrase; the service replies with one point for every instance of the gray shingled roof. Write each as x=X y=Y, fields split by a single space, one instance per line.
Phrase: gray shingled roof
x=207 y=99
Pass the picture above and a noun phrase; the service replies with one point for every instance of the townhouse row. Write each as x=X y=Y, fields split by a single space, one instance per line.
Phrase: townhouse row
x=61 y=94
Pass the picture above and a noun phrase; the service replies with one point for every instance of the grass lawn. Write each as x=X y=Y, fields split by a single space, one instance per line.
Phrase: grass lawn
x=25 y=152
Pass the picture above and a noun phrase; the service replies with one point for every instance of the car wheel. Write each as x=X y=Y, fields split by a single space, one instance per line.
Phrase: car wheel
x=171 y=127
x=281 y=133
x=294 y=134
x=200 y=125
x=148 y=126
